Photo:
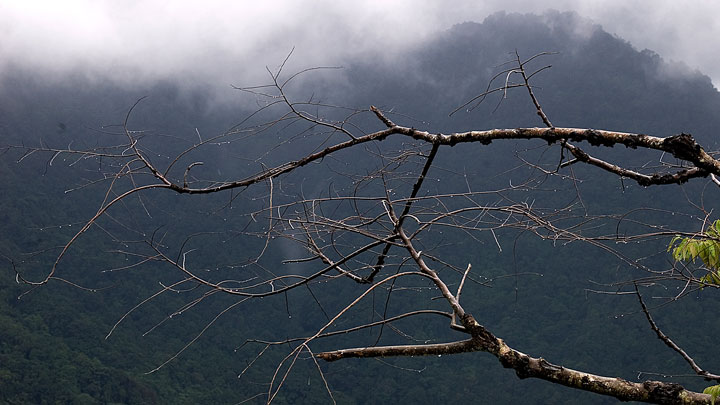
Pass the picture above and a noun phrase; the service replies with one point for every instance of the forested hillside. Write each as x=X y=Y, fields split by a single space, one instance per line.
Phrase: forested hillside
x=536 y=294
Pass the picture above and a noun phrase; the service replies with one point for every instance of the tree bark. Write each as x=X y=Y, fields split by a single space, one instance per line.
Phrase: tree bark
x=656 y=392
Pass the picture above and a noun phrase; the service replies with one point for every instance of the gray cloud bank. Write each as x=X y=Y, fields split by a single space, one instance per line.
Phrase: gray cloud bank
x=218 y=43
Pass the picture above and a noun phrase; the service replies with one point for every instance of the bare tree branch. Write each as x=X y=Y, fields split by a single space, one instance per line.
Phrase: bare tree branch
x=377 y=230
x=671 y=344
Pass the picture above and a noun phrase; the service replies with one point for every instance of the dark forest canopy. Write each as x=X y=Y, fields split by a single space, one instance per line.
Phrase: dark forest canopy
x=540 y=295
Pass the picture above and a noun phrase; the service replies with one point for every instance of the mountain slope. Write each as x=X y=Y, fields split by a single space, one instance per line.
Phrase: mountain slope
x=597 y=80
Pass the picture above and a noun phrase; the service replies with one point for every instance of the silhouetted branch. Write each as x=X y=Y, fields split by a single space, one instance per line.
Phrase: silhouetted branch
x=671 y=344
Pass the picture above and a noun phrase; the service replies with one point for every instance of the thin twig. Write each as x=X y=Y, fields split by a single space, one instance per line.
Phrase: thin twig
x=671 y=344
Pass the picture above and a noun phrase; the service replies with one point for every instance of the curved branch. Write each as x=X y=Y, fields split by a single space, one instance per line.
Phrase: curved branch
x=534 y=367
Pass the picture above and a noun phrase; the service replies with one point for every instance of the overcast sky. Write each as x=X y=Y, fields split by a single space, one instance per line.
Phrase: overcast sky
x=230 y=42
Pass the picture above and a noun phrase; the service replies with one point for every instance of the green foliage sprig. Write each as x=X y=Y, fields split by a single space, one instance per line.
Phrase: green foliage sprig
x=706 y=246
x=713 y=391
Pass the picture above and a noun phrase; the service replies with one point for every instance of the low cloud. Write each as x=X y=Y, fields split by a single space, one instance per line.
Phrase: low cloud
x=218 y=43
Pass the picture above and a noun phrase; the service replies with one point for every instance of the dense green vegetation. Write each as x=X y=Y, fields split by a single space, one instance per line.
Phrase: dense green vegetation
x=52 y=340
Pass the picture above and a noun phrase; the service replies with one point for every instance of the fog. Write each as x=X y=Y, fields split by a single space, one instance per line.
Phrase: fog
x=219 y=43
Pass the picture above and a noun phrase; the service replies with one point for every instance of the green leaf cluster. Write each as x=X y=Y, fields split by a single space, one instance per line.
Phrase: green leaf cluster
x=706 y=246
x=713 y=391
